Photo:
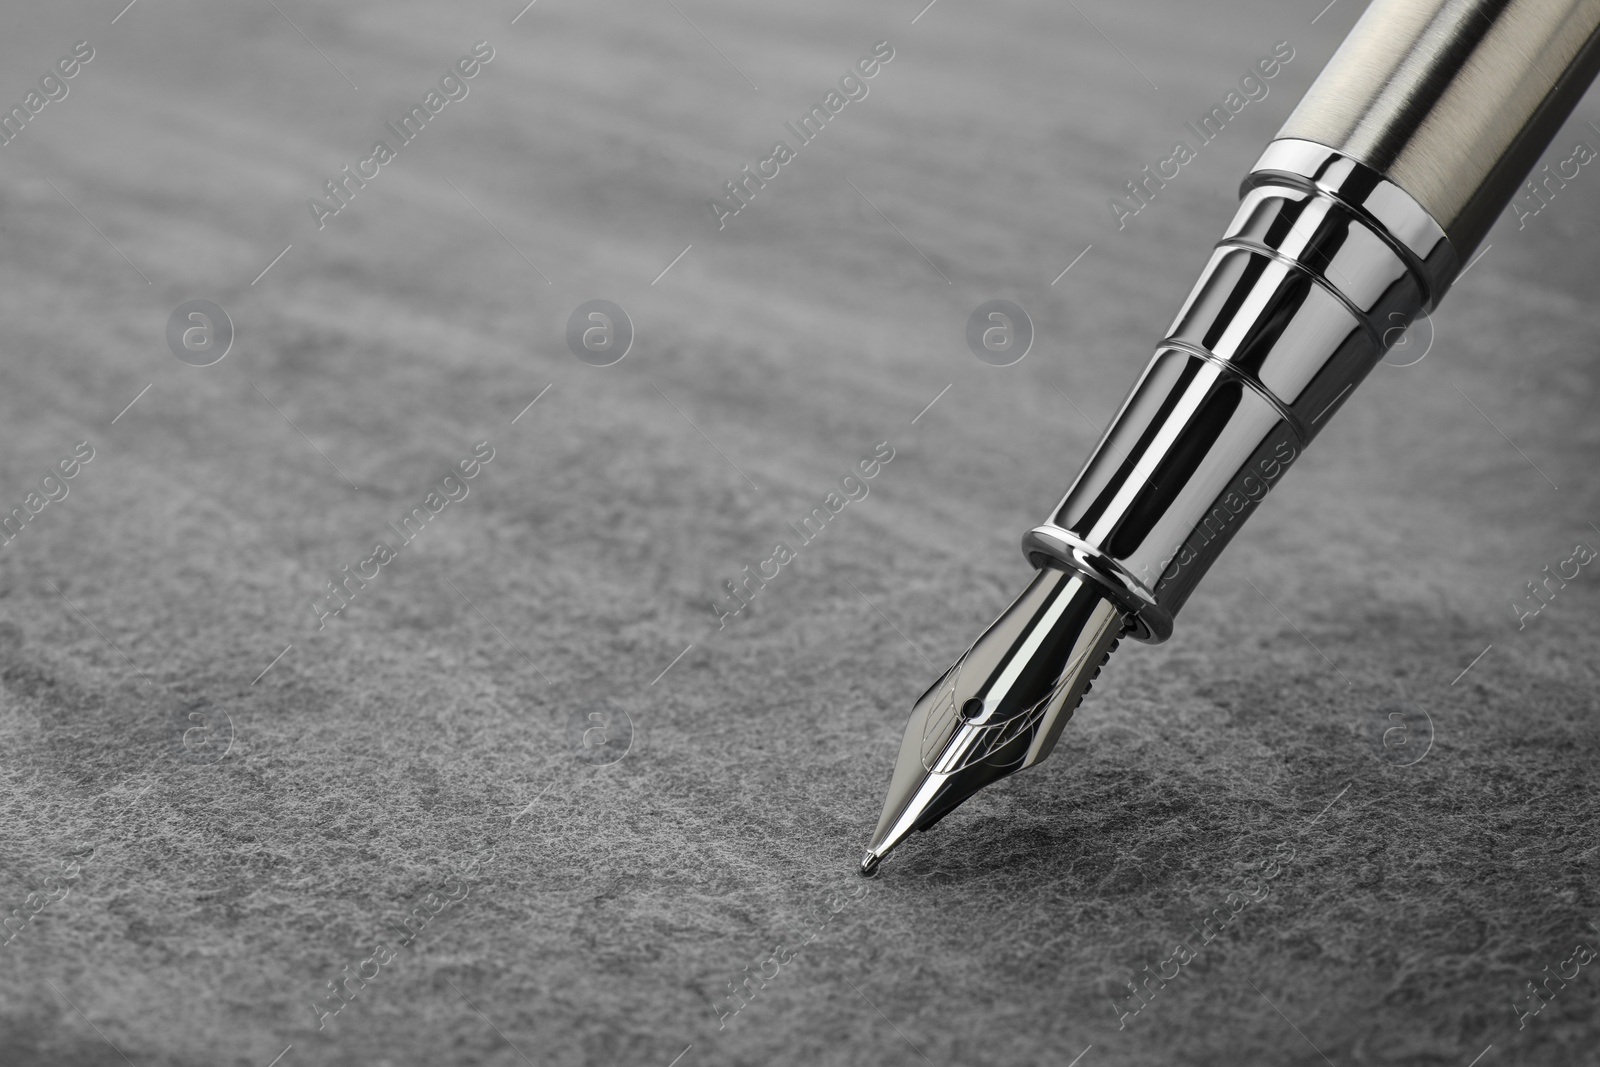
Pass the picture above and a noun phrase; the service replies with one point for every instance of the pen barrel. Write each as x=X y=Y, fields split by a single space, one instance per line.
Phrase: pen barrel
x=1453 y=100
x=1354 y=221
x=1321 y=270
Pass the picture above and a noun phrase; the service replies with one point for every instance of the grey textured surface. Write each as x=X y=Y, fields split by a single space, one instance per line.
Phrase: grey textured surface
x=419 y=744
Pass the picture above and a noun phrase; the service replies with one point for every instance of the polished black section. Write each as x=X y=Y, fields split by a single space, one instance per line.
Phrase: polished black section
x=1190 y=455
x=1283 y=328
x=1297 y=304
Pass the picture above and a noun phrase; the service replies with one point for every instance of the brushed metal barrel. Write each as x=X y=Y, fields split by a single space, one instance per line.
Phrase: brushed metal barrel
x=1324 y=264
x=1453 y=100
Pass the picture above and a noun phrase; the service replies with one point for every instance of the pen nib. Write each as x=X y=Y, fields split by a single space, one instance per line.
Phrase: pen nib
x=1000 y=708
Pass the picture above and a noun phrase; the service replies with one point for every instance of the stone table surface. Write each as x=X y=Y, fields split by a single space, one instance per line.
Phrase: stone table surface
x=526 y=795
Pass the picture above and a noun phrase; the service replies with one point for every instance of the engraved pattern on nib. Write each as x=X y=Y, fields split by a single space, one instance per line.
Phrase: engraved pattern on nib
x=941 y=717
x=996 y=735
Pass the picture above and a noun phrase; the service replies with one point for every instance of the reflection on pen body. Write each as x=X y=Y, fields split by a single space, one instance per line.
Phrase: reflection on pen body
x=1356 y=218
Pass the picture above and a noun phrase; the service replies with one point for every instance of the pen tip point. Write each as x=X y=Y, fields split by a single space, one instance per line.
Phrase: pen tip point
x=869 y=864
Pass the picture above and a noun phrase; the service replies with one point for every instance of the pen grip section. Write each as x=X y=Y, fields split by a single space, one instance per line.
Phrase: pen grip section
x=1300 y=299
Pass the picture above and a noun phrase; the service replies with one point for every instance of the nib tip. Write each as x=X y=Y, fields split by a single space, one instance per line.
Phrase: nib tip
x=869 y=864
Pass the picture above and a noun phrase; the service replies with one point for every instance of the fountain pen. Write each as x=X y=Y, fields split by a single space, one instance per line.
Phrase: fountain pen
x=1356 y=219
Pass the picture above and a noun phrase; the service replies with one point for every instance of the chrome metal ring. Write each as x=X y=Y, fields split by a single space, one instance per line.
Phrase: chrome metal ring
x=1147 y=620
x=1392 y=213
